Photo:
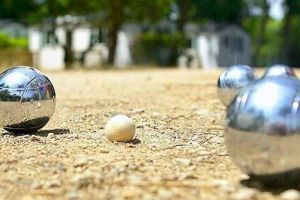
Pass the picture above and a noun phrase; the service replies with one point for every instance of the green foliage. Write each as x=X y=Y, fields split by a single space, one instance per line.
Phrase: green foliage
x=17 y=9
x=294 y=42
x=9 y=42
x=153 y=40
x=158 y=48
x=293 y=6
x=228 y=11
x=271 y=48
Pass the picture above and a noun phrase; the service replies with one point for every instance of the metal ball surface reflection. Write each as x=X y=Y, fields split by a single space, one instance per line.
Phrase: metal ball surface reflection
x=232 y=80
x=279 y=70
x=262 y=129
x=27 y=100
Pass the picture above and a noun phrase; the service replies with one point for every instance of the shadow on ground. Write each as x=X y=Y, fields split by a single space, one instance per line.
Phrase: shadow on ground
x=275 y=183
x=43 y=133
x=135 y=141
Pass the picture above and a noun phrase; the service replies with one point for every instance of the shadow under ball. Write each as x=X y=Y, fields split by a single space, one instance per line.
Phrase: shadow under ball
x=279 y=70
x=262 y=130
x=27 y=100
x=232 y=80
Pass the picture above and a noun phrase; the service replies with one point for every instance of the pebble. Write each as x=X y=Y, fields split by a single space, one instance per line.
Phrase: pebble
x=290 y=195
x=51 y=135
x=217 y=140
x=184 y=161
x=224 y=185
x=34 y=138
x=73 y=195
x=244 y=194
x=194 y=107
x=81 y=162
x=36 y=185
x=120 y=128
x=138 y=111
x=83 y=180
x=52 y=184
x=165 y=194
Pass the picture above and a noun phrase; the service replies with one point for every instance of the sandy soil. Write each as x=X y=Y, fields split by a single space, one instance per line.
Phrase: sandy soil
x=179 y=150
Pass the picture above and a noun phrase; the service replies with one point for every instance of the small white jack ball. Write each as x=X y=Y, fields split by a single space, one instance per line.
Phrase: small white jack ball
x=120 y=128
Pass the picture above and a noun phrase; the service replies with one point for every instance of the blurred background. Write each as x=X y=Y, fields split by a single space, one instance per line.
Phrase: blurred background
x=62 y=34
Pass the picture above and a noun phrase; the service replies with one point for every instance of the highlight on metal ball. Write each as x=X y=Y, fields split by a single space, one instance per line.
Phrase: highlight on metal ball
x=27 y=100
x=262 y=129
x=232 y=80
x=279 y=70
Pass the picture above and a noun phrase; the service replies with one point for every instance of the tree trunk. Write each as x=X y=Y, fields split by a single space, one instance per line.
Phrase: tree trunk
x=260 y=38
x=115 y=22
x=68 y=49
x=183 y=9
x=286 y=44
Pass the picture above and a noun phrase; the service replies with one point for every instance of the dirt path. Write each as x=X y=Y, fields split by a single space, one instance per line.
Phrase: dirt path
x=178 y=153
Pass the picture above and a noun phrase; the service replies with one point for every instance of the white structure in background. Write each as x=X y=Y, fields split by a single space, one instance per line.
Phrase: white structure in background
x=35 y=44
x=123 y=56
x=220 y=46
x=81 y=39
x=126 y=38
x=51 y=57
x=60 y=33
x=45 y=56
x=189 y=59
x=49 y=53
x=207 y=48
x=234 y=46
x=96 y=56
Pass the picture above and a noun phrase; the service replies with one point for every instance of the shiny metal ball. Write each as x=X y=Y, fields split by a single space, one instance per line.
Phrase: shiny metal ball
x=232 y=80
x=27 y=100
x=279 y=70
x=262 y=130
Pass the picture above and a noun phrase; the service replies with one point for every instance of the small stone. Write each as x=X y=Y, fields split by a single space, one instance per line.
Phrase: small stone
x=184 y=161
x=34 y=138
x=25 y=136
x=217 y=140
x=290 y=195
x=186 y=176
x=138 y=111
x=202 y=112
x=120 y=128
x=104 y=151
x=51 y=135
x=83 y=180
x=53 y=184
x=81 y=162
x=73 y=195
x=244 y=194
x=194 y=107
x=88 y=115
x=165 y=194
x=36 y=185
x=224 y=185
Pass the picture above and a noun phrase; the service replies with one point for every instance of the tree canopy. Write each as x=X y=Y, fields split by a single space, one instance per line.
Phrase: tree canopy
x=253 y=15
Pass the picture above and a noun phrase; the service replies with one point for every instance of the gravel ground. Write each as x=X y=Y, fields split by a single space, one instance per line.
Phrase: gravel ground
x=178 y=152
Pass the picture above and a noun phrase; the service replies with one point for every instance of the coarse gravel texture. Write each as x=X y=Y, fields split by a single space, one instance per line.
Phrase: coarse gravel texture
x=178 y=153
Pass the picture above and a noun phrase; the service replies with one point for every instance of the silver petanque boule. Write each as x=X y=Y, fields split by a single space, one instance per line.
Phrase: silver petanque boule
x=27 y=100
x=262 y=129
x=232 y=80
